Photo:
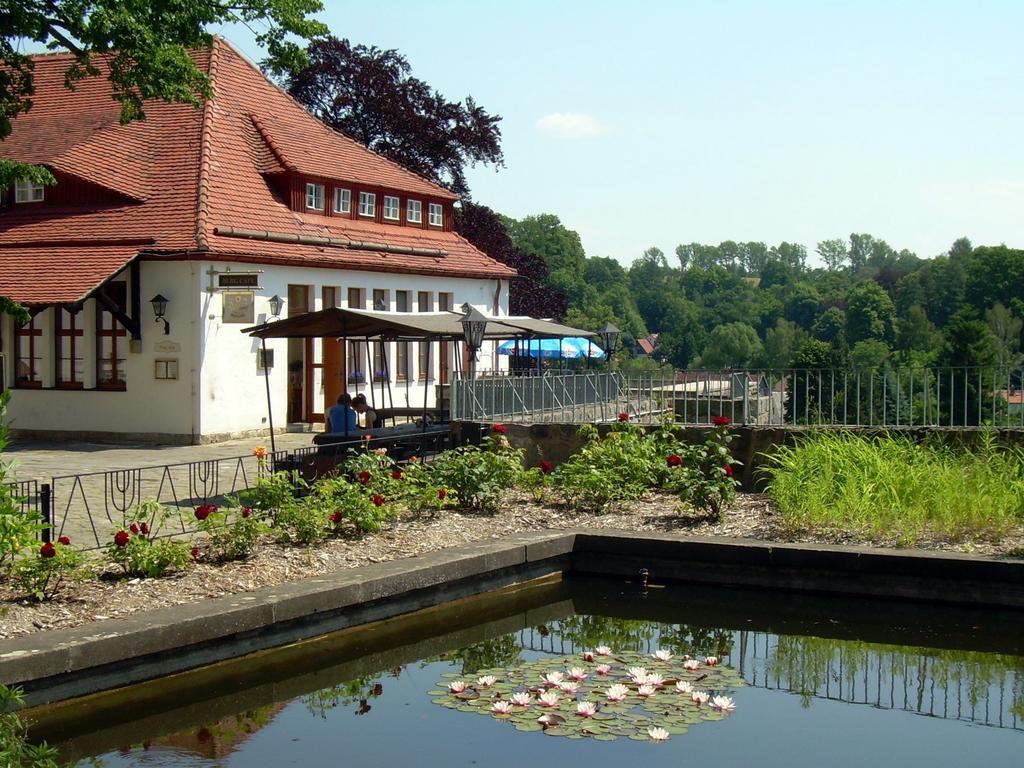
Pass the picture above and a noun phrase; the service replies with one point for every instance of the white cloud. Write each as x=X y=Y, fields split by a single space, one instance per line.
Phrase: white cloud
x=570 y=125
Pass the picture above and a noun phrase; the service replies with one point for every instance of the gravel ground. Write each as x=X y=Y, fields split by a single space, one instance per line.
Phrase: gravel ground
x=751 y=516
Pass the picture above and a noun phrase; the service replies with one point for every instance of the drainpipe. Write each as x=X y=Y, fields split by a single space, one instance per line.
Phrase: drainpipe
x=196 y=333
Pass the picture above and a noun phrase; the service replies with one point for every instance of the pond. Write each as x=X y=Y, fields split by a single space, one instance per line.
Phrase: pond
x=812 y=680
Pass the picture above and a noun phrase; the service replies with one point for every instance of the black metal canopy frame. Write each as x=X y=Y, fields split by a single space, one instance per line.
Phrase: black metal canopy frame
x=346 y=324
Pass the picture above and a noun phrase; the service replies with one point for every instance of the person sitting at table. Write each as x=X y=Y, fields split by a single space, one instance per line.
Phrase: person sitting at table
x=341 y=417
x=366 y=417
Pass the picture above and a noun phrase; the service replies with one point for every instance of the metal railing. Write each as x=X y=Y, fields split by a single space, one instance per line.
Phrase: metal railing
x=826 y=397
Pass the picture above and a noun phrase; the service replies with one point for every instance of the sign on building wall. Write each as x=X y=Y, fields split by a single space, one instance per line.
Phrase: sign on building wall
x=239 y=306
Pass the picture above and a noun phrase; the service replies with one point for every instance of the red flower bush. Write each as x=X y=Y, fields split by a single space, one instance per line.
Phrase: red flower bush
x=363 y=477
x=396 y=474
x=204 y=511
x=65 y=540
x=721 y=421
x=623 y=416
x=499 y=429
x=121 y=538
x=674 y=460
x=547 y=467
x=378 y=500
x=47 y=550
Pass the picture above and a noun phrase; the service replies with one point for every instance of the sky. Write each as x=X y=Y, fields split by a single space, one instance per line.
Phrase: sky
x=657 y=123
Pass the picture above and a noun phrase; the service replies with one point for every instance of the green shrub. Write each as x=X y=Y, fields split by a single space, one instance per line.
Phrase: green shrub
x=137 y=550
x=273 y=492
x=478 y=476
x=231 y=534
x=893 y=489
x=41 y=573
x=301 y=521
x=15 y=750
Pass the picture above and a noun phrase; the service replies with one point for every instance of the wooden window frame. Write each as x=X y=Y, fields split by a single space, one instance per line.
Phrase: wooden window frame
x=313 y=188
x=118 y=335
x=342 y=196
x=397 y=208
x=30 y=331
x=368 y=201
x=409 y=211
x=439 y=208
x=29 y=188
x=72 y=333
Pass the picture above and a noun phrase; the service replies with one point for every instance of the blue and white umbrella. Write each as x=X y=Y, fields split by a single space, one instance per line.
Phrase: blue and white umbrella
x=569 y=348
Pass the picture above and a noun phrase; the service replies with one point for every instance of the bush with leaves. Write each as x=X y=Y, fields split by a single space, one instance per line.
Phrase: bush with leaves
x=351 y=504
x=41 y=573
x=703 y=475
x=231 y=534
x=479 y=476
x=272 y=492
x=15 y=749
x=137 y=550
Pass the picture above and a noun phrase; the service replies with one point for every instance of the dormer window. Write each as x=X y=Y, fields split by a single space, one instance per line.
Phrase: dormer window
x=436 y=215
x=391 y=207
x=342 y=200
x=367 y=204
x=315 y=197
x=28 y=192
x=414 y=212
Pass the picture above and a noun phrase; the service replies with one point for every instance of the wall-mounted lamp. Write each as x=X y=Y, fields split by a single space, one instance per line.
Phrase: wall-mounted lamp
x=276 y=305
x=474 y=324
x=159 y=303
x=609 y=336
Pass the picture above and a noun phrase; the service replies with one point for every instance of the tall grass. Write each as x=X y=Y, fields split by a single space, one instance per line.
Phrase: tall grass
x=895 y=490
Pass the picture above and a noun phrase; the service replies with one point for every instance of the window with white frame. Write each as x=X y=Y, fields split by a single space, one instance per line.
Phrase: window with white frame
x=28 y=192
x=436 y=215
x=414 y=212
x=391 y=207
x=367 y=204
x=342 y=200
x=315 y=197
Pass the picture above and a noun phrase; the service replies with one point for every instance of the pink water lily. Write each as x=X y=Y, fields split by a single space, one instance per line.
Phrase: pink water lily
x=723 y=703
x=486 y=681
x=653 y=678
x=457 y=686
x=711 y=661
x=588 y=655
x=616 y=693
x=691 y=664
x=684 y=687
x=586 y=709
x=568 y=686
x=603 y=650
x=646 y=690
x=553 y=678
x=603 y=669
x=522 y=699
x=663 y=655
x=502 y=707
x=548 y=699
x=578 y=673
x=658 y=734
x=700 y=697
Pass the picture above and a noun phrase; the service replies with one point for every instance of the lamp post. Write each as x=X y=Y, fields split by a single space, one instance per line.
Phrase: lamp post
x=474 y=324
x=609 y=337
x=276 y=305
x=159 y=303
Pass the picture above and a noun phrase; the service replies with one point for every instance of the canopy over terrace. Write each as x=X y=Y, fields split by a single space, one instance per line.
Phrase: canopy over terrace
x=341 y=323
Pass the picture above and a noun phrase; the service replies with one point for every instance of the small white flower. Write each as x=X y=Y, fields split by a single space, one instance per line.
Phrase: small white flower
x=603 y=650
x=691 y=664
x=548 y=699
x=647 y=690
x=616 y=692
x=662 y=655
x=723 y=703
x=568 y=686
x=684 y=687
x=486 y=681
x=457 y=686
x=653 y=678
x=522 y=699
x=501 y=707
x=711 y=661
x=553 y=678
x=586 y=709
x=658 y=734
x=588 y=655
x=603 y=669
x=578 y=673
x=636 y=672
x=700 y=697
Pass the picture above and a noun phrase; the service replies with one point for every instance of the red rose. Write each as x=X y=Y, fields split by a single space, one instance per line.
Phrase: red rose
x=499 y=429
x=396 y=474
x=364 y=477
x=728 y=470
x=441 y=494
x=623 y=416
x=134 y=528
x=144 y=527
x=196 y=553
x=121 y=538
x=674 y=460
x=65 y=540
x=547 y=467
x=203 y=512
x=47 y=550
x=378 y=500
x=720 y=421
x=246 y=512
x=336 y=518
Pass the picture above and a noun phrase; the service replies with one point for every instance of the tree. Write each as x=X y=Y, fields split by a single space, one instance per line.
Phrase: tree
x=734 y=345
x=830 y=326
x=148 y=43
x=834 y=254
x=916 y=331
x=970 y=347
x=371 y=95
x=802 y=304
x=781 y=343
x=545 y=237
x=1006 y=329
x=870 y=314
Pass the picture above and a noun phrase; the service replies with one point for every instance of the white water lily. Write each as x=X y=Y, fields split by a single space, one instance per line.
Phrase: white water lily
x=684 y=687
x=502 y=707
x=588 y=655
x=653 y=678
x=603 y=650
x=711 y=661
x=568 y=686
x=658 y=734
x=603 y=669
x=553 y=678
x=662 y=655
x=522 y=699
x=457 y=686
x=486 y=681
x=700 y=697
x=616 y=692
x=578 y=673
x=586 y=709
x=691 y=664
x=646 y=690
x=548 y=699
x=639 y=674
x=723 y=703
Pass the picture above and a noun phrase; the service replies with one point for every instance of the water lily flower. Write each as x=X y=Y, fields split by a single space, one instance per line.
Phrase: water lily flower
x=646 y=690
x=603 y=669
x=617 y=692
x=700 y=697
x=711 y=661
x=663 y=655
x=522 y=699
x=586 y=709
x=639 y=674
x=588 y=655
x=603 y=650
x=548 y=699
x=684 y=687
x=691 y=664
x=501 y=707
x=653 y=678
x=553 y=678
x=486 y=681
x=457 y=686
x=578 y=673
x=658 y=734
x=568 y=686
x=724 y=703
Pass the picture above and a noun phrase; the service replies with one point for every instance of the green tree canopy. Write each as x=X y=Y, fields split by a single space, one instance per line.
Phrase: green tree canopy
x=734 y=345
x=870 y=314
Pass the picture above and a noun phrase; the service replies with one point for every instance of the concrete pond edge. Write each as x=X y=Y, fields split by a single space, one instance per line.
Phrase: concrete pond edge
x=61 y=664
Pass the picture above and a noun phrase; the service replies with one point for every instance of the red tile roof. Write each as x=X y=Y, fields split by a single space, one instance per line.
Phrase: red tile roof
x=183 y=173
